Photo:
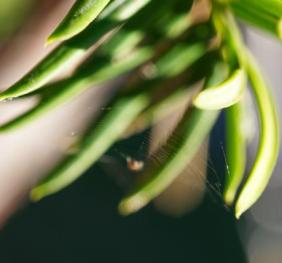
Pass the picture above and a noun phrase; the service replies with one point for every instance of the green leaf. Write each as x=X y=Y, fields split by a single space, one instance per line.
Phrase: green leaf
x=68 y=53
x=261 y=14
x=224 y=94
x=103 y=136
x=235 y=151
x=79 y=17
x=168 y=103
x=191 y=133
x=108 y=68
x=68 y=89
x=57 y=61
x=271 y=7
x=157 y=111
x=66 y=175
x=179 y=57
x=268 y=149
x=269 y=140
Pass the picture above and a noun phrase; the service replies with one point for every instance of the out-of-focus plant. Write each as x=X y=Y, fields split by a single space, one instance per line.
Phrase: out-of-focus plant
x=161 y=48
x=16 y=9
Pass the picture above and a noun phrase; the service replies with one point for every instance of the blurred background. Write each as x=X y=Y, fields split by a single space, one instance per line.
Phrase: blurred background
x=81 y=223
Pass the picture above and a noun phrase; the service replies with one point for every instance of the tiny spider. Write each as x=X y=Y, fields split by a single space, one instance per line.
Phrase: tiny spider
x=134 y=165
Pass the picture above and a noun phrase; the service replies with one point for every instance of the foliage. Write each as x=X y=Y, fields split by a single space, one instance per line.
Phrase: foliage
x=183 y=46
